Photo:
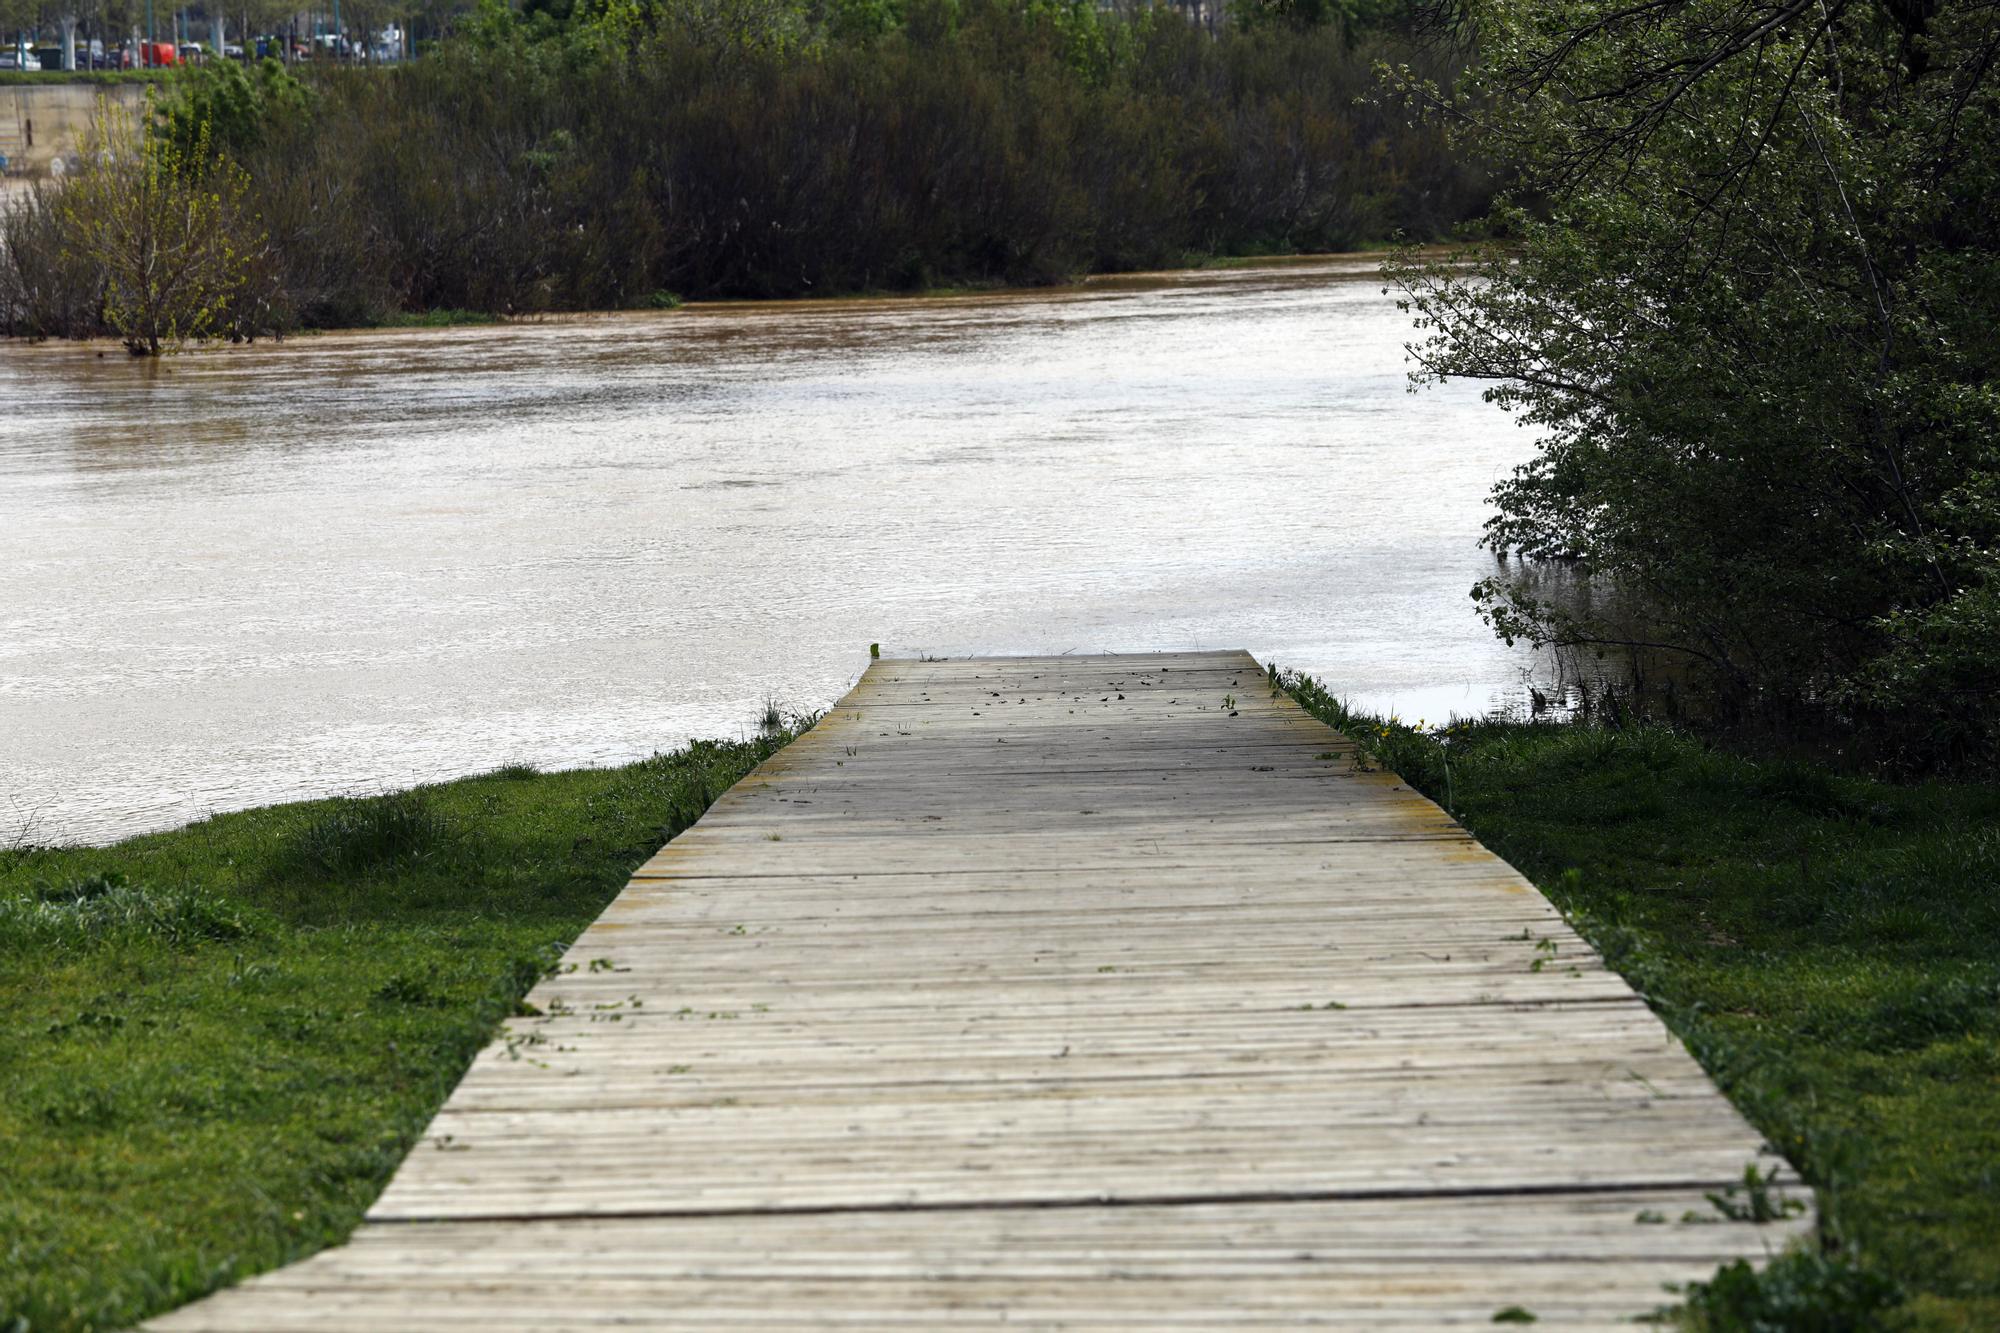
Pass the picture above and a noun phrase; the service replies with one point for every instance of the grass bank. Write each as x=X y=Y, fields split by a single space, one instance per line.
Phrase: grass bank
x=1828 y=947
x=217 y=1043
x=99 y=77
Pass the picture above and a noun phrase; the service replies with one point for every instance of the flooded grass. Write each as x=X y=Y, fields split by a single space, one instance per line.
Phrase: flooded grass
x=446 y=318
x=1829 y=948
x=218 y=1042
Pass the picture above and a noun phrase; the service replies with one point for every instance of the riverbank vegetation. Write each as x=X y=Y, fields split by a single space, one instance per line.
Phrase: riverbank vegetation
x=1753 y=305
x=622 y=156
x=1828 y=947
x=217 y=1043
x=100 y=77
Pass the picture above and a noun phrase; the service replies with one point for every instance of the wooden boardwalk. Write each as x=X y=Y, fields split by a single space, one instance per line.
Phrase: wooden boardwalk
x=1056 y=993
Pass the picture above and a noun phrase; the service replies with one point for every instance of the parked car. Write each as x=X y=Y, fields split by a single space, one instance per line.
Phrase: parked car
x=15 y=58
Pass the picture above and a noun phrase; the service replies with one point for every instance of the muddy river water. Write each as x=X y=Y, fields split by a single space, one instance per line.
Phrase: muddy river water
x=350 y=562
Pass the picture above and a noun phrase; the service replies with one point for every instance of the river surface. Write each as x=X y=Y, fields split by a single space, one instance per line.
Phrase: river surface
x=352 y=562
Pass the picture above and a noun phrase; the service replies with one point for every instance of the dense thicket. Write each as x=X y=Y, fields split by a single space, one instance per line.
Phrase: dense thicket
x=1756 y=313
x=742 y=148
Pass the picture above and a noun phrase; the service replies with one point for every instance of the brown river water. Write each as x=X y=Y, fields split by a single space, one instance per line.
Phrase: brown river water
x=357 y=561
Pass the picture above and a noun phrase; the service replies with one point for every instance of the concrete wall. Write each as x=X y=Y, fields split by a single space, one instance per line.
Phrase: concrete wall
x=41 y=121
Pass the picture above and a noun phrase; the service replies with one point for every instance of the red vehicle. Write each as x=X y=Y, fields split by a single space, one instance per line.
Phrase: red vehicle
x=158 y=53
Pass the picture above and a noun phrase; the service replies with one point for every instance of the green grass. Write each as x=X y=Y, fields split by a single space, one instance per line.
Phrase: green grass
x=217 y=1043
x=98 y=76
x=1828 y=946
x=442 y=318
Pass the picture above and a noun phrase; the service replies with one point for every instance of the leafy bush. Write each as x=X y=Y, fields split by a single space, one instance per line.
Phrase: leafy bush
x=158 y=220
x=237 y=106
x=1753 y=305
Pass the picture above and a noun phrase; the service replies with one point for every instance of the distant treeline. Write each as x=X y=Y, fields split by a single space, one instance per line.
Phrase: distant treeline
x=740 y=148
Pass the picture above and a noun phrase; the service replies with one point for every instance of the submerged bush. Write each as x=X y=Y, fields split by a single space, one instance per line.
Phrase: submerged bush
x=158 y=223
x=47 y=289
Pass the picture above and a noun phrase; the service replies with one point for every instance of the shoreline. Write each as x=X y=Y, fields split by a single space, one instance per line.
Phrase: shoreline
x=460 y=321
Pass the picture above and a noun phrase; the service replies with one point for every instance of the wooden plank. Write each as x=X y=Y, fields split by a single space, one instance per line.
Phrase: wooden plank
x=1057 y=992
x=1577 y=1261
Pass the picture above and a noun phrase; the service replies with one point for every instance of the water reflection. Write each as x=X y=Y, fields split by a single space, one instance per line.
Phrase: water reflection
x=356 y=561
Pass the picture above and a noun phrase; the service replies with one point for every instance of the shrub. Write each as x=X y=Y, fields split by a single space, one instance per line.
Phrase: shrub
x=1752 y=306
x=162 y=225
x=238 y=107
x=47 y=288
